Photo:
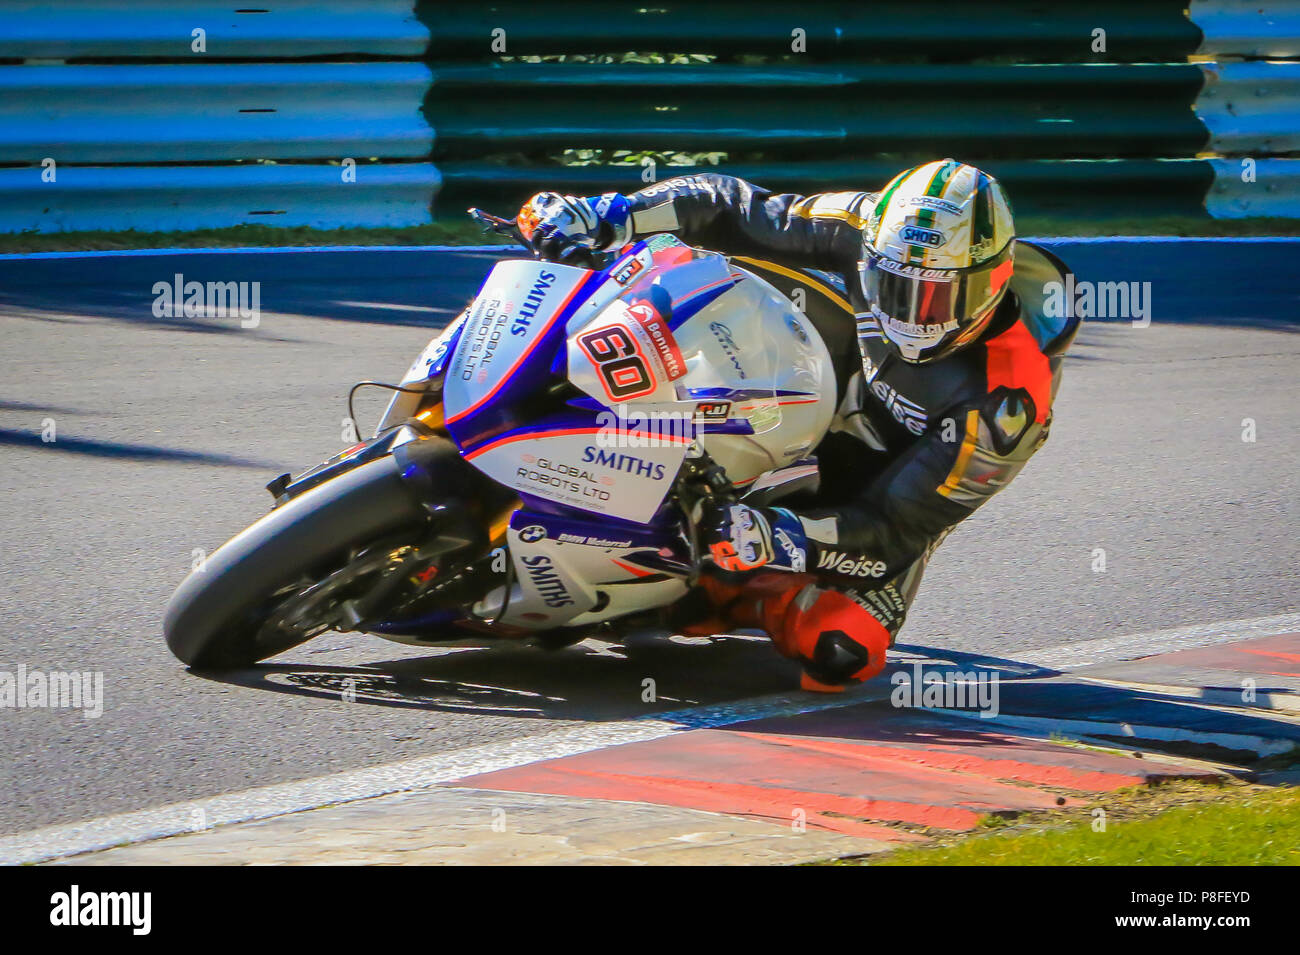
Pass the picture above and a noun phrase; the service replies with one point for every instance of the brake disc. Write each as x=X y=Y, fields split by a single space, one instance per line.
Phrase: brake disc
x=331 y=603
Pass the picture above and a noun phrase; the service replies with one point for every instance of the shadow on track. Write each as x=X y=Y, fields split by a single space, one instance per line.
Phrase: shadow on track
x=10 y=437
x=591 y=681
x=597 y=681
x=397 y=287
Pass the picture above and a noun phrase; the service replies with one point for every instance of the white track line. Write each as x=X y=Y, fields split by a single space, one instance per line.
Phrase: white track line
x=1111 y=649
x=420 y=773
x=263 y=802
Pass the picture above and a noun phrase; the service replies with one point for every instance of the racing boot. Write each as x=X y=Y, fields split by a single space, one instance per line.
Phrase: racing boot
x=838 y=641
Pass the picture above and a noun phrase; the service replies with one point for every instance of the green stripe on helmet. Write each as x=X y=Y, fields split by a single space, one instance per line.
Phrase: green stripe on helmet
x=983 y=220
x=942 y=176
x=879 y=212
x=924 y=219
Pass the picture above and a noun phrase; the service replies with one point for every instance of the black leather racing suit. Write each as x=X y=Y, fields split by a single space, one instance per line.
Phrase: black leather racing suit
x=914 y=449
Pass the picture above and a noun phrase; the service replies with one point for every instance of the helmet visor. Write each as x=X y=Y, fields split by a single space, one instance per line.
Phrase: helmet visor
x=924 y=312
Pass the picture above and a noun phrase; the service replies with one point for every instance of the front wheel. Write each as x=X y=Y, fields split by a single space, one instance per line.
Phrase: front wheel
x=224 y=615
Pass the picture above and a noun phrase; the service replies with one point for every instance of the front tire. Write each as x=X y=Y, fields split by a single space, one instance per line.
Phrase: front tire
x=214 y=618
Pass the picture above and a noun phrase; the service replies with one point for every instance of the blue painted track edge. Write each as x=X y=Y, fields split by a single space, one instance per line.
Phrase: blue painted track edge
x=248 y=250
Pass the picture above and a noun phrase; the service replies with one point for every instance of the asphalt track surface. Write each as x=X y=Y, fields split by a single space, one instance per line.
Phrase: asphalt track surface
x=166 y=430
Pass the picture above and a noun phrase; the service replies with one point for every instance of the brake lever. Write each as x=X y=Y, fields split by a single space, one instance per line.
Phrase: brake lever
x=574 y=255
x=702 y=479
x=491 y=223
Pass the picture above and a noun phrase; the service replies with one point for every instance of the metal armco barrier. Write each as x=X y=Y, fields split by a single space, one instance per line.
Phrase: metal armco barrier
x=114 y=31
x=340 y=113
x=166 y=198
x=170 y=113
x=193 y=114
x=819 y=111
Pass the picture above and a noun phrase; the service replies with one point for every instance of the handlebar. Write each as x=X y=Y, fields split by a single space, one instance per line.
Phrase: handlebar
x=575 y=255
x=491 y=223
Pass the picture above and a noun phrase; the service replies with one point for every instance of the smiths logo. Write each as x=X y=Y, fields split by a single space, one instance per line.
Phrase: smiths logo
x=918 y=236
x=550 y=585
x=532 y=302
x=627 y=463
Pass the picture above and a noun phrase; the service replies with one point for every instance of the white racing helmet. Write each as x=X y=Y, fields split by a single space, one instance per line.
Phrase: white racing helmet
x=938 y=255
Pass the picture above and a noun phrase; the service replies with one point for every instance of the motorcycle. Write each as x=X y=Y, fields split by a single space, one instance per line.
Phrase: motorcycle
x=538 y=471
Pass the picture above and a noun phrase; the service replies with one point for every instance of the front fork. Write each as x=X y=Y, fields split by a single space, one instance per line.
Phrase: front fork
x=462 y=503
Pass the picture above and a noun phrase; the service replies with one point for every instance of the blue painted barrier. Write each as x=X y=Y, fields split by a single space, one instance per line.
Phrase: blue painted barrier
x=149 y=114
x=1193 y=280
x=1219 y=281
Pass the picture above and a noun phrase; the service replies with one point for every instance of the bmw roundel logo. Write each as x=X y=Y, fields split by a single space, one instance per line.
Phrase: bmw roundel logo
x=531 y=533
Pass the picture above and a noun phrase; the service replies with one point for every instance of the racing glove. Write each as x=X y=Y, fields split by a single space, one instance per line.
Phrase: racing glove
x=742 y=538
x=556 y=225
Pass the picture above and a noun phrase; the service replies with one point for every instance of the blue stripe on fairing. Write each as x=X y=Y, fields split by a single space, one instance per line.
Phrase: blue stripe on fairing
x=495 y=418
x=654 y=561
x=744 y=394
x=601 y=526
x=439 y=365
x=558 y=422
x=587 y=403
x=740 y=426
x=693 y=306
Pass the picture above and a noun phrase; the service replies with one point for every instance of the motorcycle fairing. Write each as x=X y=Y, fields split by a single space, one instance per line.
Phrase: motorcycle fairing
x=578 y=462
x=504 y=351
x=548 y=591
x=574 y=572
x=683 y=280
x=592 y=539
x=432 y=362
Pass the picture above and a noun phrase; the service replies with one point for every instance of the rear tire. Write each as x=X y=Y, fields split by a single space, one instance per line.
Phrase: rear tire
x=214 y=617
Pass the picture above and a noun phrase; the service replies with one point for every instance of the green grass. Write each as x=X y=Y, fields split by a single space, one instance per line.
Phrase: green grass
x=462 y=232
x=1259 y=828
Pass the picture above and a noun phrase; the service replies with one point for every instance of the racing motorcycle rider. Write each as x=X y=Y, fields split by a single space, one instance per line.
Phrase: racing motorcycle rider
x=946 y=367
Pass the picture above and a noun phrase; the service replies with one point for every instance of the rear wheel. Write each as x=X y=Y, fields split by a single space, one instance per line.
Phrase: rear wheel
x=289 y=576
